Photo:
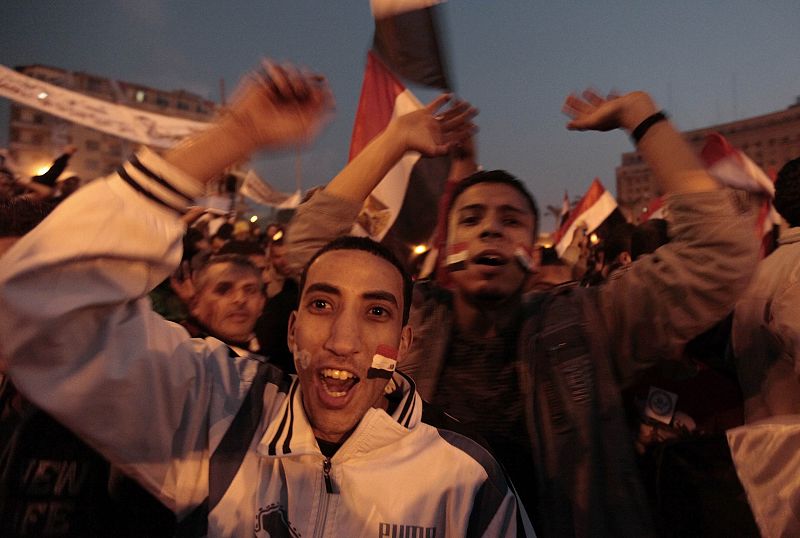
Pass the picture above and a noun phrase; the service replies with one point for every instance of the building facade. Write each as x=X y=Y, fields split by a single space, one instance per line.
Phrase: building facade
x=769 y=140
x=36 y=138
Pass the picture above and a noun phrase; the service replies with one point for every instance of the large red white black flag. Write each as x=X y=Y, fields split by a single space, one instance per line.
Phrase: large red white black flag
x=406 y=45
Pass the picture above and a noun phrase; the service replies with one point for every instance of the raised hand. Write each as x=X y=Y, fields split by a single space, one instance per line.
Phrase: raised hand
x=591 y=111
x=279 y=106
x=432 y=132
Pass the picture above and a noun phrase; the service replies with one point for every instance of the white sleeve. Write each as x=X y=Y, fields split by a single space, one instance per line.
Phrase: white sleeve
x=81 y=341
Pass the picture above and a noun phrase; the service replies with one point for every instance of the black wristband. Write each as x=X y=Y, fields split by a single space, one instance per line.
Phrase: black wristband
x=645 y=125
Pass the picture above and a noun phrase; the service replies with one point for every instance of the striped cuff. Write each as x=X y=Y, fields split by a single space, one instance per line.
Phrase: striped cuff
x=156 y=179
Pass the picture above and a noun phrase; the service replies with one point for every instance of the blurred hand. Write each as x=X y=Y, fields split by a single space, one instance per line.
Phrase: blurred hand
x=279 y=106
x=594 y=112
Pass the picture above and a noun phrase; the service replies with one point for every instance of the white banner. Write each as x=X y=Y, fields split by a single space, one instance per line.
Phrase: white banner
x=263 y=193
x=154 y=130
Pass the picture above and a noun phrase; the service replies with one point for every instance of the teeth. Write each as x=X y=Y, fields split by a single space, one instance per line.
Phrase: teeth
x=337 y=374
x=337 y=394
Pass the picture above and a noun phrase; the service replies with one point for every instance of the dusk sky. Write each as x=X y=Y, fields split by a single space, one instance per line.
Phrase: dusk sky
x=705 y=62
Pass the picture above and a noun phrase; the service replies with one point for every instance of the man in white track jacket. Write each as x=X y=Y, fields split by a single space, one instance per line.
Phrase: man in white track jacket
x=232 y=445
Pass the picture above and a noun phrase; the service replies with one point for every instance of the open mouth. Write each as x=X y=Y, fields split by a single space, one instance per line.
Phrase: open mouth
x=337 y=383
x=492 y=260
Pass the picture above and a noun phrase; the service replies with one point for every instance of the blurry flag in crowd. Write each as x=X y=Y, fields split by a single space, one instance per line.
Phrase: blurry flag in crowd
x=401 y=210
x=730 y=166
x=261 y=192
x=655 y=209
x=594 y=208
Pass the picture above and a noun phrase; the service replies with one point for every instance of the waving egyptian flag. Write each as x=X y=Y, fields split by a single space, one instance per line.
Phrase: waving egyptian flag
x=401 y=210
x=730 y=166
x=594 y=208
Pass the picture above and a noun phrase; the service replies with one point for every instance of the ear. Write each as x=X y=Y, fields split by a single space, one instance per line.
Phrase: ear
x=625 y=258
x=290 y=339
x=406 y=338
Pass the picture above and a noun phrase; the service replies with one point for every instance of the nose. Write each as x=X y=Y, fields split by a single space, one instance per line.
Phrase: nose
x=491 y=228
x=344 y=339
x=240 y=296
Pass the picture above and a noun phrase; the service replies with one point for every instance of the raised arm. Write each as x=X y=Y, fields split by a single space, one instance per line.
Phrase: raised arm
x=424 y=130
x=673 y=161
x=77 y=330
x=276 y=107
x=332 y=211
x=686 y=286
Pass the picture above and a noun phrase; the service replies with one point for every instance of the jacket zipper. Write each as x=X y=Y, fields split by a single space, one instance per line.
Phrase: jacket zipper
x=322 y=515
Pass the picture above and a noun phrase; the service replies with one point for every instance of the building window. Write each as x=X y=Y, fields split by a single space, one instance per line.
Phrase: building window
x=37 y=139
x=183 y=106
x=14 y=135
x=92 y=145
x=140 y=96
x=162 y=101
x=38 y=119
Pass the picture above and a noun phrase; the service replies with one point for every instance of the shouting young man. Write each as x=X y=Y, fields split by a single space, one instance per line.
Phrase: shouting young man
x=233 y=445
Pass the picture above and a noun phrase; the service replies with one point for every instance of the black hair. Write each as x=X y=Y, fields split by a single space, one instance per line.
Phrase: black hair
x=617 y=241
x=237 y=260
x=504 y=178
x=787 y=192
x=648 y=236
x=365 y=244
x=19 y=216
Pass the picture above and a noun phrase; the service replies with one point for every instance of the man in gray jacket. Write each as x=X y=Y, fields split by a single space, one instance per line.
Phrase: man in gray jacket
x=540 y=375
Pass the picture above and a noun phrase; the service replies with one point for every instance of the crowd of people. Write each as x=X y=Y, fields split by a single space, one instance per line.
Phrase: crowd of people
x=169 y=374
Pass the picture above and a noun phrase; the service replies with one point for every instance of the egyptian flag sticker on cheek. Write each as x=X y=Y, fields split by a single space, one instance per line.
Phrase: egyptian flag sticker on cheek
x=524 y=258
x=456 y=259
x=383 y=362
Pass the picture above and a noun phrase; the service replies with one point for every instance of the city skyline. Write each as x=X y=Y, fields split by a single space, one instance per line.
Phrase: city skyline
x=515 y=60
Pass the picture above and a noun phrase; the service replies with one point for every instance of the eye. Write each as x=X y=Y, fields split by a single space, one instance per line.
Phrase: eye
x=380 y=312
x=251 y=290
x=469 y=220
x=512 y=222
x=223 y=288
x=318 y=305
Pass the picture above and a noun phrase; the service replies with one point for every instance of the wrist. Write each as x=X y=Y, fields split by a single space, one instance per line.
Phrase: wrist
x=639 y=107
x=394 y=140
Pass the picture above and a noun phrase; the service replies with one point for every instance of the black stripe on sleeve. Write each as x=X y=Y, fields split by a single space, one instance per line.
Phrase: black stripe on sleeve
x=407 y=412
x=158 y=179
x=288 y=439
x=492 y=492
x=273 y=445
x=130 y=181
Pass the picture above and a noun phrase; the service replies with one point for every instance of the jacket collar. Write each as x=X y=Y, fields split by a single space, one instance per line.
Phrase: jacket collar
x=290 y=433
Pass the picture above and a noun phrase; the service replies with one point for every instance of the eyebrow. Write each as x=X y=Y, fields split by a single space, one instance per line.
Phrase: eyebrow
x=321 y=286
x=375 y=295
x=504 y=207
x=381 y=296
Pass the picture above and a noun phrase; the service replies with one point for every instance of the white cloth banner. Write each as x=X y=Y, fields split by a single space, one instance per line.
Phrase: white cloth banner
x=263 y=193
x=154 y=130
